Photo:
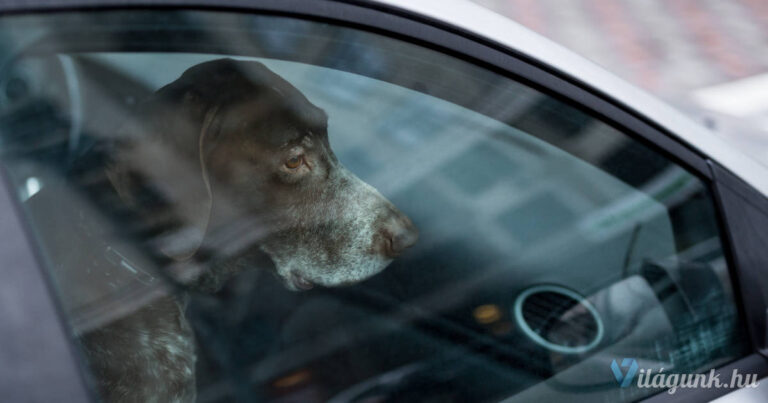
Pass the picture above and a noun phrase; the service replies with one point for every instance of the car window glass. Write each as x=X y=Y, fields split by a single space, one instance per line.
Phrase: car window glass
x=237 y=207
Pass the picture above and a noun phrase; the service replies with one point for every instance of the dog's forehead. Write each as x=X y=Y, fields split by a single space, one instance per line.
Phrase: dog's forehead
x=227 y=80
x=254 y=97
x=275 y=90
x=280 y=121
x=278 y=129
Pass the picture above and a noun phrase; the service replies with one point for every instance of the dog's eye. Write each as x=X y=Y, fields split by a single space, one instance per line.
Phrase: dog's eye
x=294 y=162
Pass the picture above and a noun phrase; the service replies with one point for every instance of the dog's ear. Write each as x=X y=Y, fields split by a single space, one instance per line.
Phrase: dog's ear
x=209 y=130
x=162 y=151
x=196 y=127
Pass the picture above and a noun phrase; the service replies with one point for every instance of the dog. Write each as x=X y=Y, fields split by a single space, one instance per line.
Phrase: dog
x=252 y=149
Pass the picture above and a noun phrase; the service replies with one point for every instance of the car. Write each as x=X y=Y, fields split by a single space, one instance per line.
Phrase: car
x=578 y=238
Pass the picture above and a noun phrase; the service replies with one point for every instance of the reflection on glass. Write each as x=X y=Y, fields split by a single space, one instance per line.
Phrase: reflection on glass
x=235 y=178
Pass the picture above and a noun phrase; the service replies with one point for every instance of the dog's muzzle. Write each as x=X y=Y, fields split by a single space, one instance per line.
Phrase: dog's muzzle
x=350 y=233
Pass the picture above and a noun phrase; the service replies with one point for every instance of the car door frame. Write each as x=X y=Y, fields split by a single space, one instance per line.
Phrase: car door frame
x=742 y=209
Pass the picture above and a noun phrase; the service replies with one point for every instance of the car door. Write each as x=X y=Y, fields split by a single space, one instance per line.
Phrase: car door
x=564 y=239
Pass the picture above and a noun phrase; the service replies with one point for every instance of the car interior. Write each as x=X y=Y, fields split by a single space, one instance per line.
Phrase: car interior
x=551 y=241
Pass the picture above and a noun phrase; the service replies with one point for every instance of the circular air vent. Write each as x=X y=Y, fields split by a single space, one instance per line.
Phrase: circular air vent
x=559 y=319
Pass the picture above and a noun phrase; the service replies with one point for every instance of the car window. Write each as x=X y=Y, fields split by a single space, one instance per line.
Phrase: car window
x=239 y=207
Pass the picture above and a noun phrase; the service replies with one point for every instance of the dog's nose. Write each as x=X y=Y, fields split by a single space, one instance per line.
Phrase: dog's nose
x=399 y=234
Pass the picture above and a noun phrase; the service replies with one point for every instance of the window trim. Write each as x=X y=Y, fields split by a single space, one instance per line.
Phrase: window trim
x=442 y=37
x=744 y=213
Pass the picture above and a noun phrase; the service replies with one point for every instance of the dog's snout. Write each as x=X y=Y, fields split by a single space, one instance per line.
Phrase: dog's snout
x=398 y=234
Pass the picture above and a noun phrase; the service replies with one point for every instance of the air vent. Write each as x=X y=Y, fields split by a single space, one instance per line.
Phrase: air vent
x=559 y=319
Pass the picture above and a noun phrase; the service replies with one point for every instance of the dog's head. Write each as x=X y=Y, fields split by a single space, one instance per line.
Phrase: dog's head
x=263 y=157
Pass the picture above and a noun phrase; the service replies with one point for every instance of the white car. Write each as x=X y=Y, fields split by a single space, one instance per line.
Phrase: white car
x=579 y=240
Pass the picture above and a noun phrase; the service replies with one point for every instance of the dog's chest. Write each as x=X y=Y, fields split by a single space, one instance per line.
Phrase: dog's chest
x=148 y=356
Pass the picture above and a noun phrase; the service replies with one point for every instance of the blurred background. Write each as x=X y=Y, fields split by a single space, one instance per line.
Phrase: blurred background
x=706 y=57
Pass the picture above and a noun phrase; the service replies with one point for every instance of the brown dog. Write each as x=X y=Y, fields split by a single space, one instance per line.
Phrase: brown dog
x=243 y=148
